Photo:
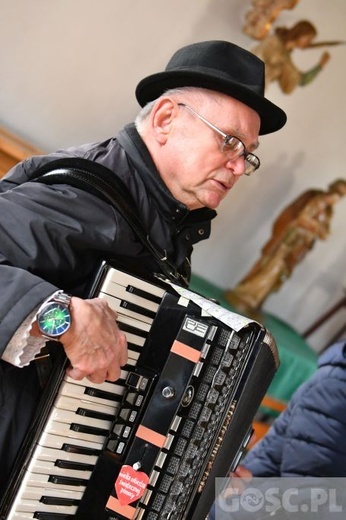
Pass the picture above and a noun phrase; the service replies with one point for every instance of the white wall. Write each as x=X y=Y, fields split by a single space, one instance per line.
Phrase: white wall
x=68 y=73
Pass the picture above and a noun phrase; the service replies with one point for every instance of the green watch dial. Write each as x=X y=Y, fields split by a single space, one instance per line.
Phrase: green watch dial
x=54 y=320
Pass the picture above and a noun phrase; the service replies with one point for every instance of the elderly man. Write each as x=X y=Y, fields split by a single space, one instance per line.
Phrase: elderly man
x=193 y=139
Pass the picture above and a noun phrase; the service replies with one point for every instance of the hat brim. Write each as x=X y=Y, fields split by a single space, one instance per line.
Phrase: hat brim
x=272 y=117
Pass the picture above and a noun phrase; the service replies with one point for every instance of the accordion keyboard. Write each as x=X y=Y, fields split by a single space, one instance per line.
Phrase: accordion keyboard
x=82 y=414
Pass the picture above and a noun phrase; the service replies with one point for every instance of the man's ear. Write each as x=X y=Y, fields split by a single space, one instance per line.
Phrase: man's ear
x=163 y=114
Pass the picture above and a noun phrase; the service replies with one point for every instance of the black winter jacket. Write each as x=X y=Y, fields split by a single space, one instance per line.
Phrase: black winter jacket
x=53 y=236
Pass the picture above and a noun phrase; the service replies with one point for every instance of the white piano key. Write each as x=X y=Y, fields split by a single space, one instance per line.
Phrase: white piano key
x=123 y=374
x=31 y=506
x=131 y=362
x=66 y=416
x=115 y=277
x=136 y=340
x=73 y=404
x=112 y=388
x=35 y=493
x=122 y=294
x=114 y=304
x=42 y=481
x=57 y=441
x=50 y=454
x=21 y=516
x=48 y=468
x=60 y=428
x=127 y=320
x=133 y=356
x=78 y=392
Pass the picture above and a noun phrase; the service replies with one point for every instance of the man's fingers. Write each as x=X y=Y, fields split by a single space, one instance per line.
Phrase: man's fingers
x=123 y=349
x=99 y=376
x=113 y=373
x=75 y=373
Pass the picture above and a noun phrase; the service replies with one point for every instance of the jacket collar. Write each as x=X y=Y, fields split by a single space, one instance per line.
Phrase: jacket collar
x=136 y=149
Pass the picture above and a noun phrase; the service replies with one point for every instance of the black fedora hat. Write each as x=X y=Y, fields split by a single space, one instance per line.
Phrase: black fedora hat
x=221 y=66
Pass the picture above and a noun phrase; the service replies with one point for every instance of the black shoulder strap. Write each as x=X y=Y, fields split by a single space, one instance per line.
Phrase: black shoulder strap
x=102 y=182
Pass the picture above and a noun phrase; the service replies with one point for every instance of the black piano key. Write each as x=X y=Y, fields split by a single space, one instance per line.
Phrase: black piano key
x=125 y=327
x=134 y=348
x=138 y=309
x=82 y=450
x=127 y=367
x=59 y=501
x=85 y=412
x=52 y=516
x=143 y=294
x=67 y=481
x=95 y=392
x=68 y=464
x=90 y=430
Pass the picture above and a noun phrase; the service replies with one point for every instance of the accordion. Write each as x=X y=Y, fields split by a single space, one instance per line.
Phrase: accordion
x=149 y=446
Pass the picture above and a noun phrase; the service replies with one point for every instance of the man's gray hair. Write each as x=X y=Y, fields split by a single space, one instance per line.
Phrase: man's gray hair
x=146 y=110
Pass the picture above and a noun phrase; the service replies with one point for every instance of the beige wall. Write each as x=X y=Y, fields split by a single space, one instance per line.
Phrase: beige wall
x=68 y=72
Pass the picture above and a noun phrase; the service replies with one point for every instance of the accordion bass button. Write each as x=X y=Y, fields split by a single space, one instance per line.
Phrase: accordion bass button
x=168 y=392
x=188 y=396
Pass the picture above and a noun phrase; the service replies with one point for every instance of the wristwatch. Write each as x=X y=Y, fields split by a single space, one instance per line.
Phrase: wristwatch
x=54 y=316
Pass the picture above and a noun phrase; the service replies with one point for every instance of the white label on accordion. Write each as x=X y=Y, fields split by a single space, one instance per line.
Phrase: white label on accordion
x=229 y=318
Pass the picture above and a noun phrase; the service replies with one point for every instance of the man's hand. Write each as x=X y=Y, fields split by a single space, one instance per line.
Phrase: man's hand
x=94 y=344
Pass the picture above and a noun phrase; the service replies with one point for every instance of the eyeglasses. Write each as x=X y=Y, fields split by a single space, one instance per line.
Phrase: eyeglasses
x=232 y=146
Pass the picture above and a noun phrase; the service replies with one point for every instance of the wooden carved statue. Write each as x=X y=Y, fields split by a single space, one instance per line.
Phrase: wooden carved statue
x=276 y=50
x=259 y=19
x=276 y=45
x=294 y=233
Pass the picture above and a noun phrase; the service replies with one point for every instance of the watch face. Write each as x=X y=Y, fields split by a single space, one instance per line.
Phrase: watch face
x=54 y=319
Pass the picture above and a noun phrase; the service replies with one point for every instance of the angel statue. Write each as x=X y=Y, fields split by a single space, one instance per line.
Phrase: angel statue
x=294 y=233
x=259 y=20
x=275 y=48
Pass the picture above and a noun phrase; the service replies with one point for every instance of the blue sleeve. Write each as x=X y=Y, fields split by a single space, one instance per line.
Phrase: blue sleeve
x=315 y=439
x=308 y=437
x=264 y=459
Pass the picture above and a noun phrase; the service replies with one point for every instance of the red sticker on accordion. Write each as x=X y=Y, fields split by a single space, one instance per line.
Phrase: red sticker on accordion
x=130 y=485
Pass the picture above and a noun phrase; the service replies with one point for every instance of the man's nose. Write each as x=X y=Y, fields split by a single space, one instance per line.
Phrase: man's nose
x=237 y=165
